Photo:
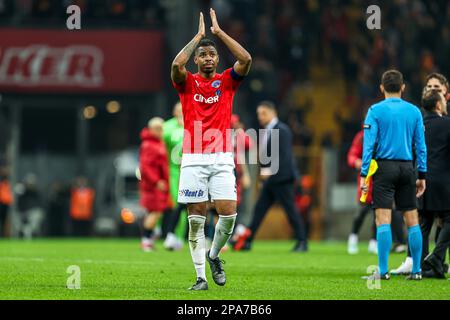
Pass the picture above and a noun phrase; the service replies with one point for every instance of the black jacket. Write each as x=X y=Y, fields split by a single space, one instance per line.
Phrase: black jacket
x=287 y=169
x=437 y=138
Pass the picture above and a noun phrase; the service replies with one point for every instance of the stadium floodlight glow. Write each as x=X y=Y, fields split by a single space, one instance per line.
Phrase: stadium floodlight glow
x=113 y=106
x=89 y=112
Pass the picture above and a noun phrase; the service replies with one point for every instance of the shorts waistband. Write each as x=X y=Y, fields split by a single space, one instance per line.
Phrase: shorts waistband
x=393 y=160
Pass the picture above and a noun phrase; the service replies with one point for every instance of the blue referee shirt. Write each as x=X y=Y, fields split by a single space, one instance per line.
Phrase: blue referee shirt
x=395 y=126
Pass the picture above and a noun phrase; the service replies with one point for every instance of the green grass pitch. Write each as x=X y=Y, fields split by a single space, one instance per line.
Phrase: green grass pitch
x=117 y=269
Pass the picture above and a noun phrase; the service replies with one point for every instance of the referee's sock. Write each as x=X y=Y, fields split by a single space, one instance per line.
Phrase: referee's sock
x=415 y=245
x=384 y=242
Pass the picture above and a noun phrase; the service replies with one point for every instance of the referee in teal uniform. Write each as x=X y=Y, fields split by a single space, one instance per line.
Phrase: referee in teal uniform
x=391 y=129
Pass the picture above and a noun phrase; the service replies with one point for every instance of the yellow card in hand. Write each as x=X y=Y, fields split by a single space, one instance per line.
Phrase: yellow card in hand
x=372 y=169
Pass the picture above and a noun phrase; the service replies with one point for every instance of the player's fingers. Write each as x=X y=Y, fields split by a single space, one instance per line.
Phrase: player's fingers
x=213 y=14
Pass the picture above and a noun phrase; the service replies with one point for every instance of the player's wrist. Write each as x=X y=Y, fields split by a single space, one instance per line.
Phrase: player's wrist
x=219 y=33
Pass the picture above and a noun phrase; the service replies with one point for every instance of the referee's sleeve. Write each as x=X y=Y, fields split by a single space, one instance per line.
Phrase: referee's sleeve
x=370 y=137
x=420 y=146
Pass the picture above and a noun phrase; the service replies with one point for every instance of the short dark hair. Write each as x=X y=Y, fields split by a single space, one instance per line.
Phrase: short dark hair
x=205 y=42
x=392 y=81
x=268 y=104
x=430 y=98
x=440 y=77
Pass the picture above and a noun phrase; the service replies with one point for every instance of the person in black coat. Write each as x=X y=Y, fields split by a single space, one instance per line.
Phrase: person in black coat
x=279 y=173
x=436 y=199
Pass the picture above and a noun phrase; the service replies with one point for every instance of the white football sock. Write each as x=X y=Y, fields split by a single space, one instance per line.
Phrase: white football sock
x=224 y=230
x=197 y=244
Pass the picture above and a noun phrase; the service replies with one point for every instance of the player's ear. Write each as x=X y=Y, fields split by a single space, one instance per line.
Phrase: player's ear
x=403 y=88
x=382 y=88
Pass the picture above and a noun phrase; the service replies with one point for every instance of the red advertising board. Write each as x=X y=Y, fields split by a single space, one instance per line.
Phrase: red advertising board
x=58 y=61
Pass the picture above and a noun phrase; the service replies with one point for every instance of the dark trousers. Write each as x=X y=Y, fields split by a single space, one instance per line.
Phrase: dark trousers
x=283 y=193
x=443 y=239
x=81 y=228
x=426 y=223
x=359 y=219
x=398 y=233
x=174 y=217
x=3 y=215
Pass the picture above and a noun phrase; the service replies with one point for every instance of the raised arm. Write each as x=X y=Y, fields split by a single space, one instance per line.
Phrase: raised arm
x=178 y=72
x=244 y=59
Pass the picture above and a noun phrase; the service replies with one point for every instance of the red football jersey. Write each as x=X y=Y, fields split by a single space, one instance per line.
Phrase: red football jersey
x=207 y=107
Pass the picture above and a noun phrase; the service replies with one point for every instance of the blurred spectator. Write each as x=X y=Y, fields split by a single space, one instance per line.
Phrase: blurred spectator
x=82 y=207
x=154 y=181
x=242 y=143
x=58 y=206
x=5 y=198
x=43 y=8
x=304 y=200
x=30 y=208
x=118 y=9
x=6 y=8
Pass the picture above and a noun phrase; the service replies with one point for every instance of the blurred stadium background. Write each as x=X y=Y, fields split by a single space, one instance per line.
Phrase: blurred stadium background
x=73 y=102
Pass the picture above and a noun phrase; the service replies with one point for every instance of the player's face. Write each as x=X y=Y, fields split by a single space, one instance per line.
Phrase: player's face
x=177 y=110
x=157 y=131
x=207 y=59
x=178 y=113
x=265 y=115
x=443 y=104
x=435 y=84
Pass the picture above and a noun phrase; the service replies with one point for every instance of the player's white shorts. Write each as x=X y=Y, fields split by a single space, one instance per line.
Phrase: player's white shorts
x=197 y=181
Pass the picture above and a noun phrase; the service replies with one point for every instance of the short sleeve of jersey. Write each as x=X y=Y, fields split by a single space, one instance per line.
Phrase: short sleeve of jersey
x=234 y=79
x=182 y=88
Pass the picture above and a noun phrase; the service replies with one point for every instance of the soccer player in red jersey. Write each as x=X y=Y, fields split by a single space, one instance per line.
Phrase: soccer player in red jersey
x=207 y=163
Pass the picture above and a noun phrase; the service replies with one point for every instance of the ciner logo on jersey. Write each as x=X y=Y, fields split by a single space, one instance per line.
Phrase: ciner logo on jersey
x=210 y=100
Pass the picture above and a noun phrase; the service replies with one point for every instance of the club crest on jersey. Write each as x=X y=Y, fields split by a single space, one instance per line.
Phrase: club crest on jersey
x=216 y=84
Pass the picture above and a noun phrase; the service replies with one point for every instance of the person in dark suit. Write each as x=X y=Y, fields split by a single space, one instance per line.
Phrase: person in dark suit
x=438 y=82
x=278 y=173
x=436 y=199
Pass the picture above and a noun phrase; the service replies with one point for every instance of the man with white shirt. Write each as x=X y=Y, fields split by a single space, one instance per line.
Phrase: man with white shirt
x=278 y=173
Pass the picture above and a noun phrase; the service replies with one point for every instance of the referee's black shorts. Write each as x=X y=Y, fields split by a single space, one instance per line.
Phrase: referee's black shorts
x=395 y=180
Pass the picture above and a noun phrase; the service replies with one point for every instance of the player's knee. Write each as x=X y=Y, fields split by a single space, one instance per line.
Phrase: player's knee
x=382 y=217
x=411 y=218
x=226 y=207
x=197 y=209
